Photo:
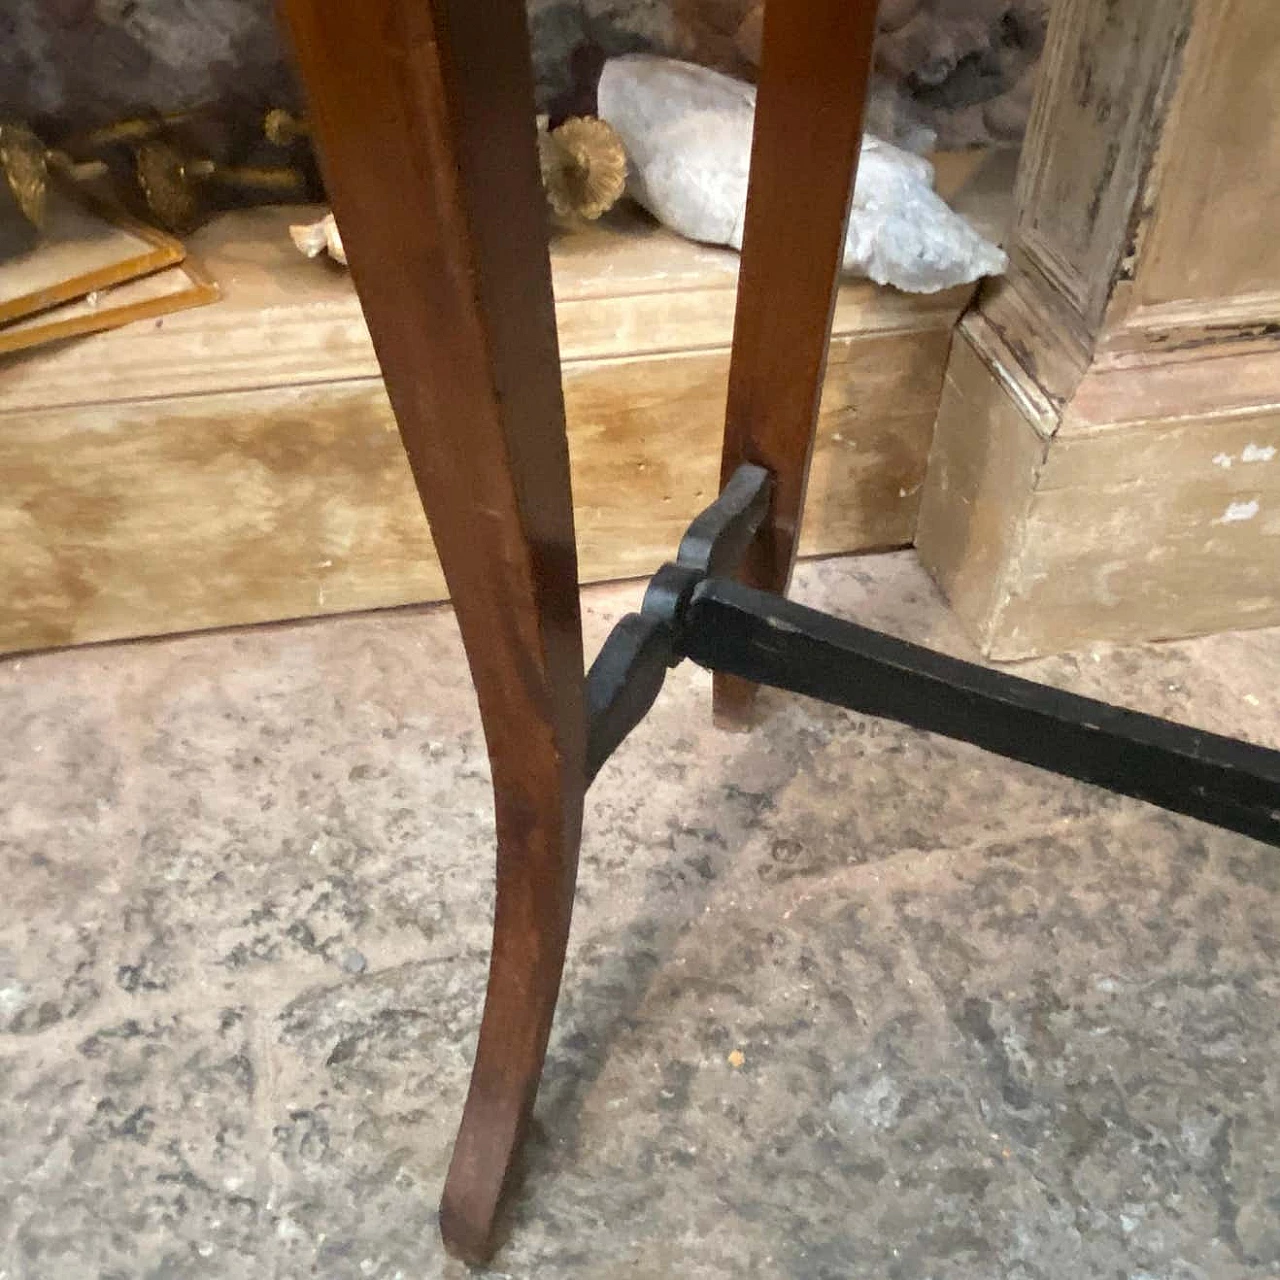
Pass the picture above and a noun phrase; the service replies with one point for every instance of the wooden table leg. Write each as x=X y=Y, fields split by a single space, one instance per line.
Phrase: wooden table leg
x=815 y=64
x=424 y=115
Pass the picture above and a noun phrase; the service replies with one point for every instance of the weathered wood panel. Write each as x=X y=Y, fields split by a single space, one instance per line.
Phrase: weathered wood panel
x=1164 y=525
x=1145 y=533
x=158 y=516
x=1104 y=460
x=978 y=485
x=1106 y=73
x=1213 y=232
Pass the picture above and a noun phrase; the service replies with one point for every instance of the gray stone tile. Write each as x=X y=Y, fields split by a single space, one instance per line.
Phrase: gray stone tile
x=843 y=1000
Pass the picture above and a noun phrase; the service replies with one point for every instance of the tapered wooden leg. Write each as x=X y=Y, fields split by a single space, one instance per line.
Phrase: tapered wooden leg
x=424 y=115
x=816 y=60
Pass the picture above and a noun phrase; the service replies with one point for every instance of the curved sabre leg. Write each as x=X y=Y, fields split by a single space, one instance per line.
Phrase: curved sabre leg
x=424 y=115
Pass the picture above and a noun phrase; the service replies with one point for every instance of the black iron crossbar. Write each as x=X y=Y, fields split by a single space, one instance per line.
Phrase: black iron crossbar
x=691 y=611
x=749 y=633
x=627 y=675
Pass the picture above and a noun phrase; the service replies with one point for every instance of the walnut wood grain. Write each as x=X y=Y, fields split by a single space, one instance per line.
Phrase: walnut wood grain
x=424 y=114
x=808 y=133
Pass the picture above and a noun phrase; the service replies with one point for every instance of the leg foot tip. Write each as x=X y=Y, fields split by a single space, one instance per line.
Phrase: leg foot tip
x=732 y=721
x=465 y=1239
x=733 y=703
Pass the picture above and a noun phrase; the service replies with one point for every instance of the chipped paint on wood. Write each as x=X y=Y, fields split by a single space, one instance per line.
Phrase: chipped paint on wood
x=1238 y=511
x=1258 y=453
x=1134 y=501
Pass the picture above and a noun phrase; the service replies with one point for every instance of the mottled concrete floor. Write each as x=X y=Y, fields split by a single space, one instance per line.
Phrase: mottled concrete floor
x=843 y=1000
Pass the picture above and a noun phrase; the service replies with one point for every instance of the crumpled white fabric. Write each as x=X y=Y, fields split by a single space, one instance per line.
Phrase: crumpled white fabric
x=687 y=133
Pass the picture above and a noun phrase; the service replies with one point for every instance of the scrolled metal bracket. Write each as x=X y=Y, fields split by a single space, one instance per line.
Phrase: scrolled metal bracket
x=627 y=675
x=692 y=610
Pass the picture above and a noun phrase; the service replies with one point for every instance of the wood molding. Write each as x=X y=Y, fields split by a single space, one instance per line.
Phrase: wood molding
x=1107 y=73
x=1106 y=459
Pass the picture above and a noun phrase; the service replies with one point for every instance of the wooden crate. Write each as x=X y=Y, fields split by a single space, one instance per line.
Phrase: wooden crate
x=240 y=464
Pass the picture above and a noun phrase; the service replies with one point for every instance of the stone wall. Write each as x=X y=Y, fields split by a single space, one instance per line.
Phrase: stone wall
x=960 y=67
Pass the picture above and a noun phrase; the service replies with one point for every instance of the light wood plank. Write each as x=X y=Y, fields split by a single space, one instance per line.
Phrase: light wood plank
x=199 y=511
x=1167 y=524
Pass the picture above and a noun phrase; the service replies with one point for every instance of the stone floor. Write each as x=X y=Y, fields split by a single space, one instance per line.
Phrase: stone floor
x=843 y=1000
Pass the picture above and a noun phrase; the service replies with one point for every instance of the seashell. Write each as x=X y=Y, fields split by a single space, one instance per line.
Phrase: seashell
x=584 y=167
x=24 y=166
x=584 y=173
x=282 y=128
x=168 y=185
x=176 y=185
x=314 y=238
